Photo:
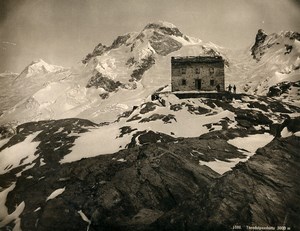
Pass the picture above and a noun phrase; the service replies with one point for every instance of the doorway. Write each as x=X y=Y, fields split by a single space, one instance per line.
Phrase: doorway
x=198 y=84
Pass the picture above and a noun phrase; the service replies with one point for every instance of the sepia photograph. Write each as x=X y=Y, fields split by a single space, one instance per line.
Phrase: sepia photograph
x=149 y=115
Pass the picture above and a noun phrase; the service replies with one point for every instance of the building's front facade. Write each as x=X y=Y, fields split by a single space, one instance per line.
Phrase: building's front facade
x=197 y=73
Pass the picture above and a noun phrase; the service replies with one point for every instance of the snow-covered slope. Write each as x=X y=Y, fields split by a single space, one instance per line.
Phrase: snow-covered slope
x=159 y=121
x=110 y=80
x=19 y=89
x=273 y=59
x=115 y=78
x=6 y=79
x=147 y=153
x=39 y=67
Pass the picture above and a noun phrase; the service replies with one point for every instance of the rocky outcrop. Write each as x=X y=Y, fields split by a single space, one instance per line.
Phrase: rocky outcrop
x=144 y=65
x=263 y=42
x=120 y=40
x=161 y=186
x=164 y=45
x=256 y=52
x=98 y=50
x=164 y=28
x=6 y=131
x=158 y=34
x=158 y=182
x=104 y=82
x=101 y=49
x=282 y=88
x=261 y=192
x=292 y=35
x=126 y=190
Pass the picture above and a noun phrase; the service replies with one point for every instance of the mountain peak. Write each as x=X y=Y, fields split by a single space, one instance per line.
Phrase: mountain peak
x=164 y=27
x=161 y=36
x=39 y=61
x=159 y=24
x=264 y=41
x=259 y=40
x=39 y=66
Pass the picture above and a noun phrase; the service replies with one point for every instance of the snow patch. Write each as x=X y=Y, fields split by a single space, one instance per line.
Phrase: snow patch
x=250 y=143
x=26 y=168
x=97 y=142
x=84 y=217
x=3 y=196
x=6 y=218
x=3 y=142
x=11 y=157
x=37 y=209
x=56 y=193
x=221 y=166
x=285 y=133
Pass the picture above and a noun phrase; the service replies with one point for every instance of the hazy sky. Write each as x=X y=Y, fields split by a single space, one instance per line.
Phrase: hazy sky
x=62 y=32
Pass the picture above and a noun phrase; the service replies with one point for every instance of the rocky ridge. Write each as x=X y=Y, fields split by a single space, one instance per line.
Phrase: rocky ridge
x=137 y=64
x=155 y=40
x=274 y=59
x=157 y=181
x=264 y=41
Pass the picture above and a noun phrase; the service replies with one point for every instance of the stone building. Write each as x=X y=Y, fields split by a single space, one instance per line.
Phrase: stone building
x=197 y=73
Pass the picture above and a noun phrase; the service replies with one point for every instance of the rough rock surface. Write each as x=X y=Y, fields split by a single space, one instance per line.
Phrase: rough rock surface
x=144 y=65
x=104 y=82
x=282 y=88
x=264 y=191
x=264 y=41
x=98 y=50
x=157 y=183
x=259 y=40
x=164 y=45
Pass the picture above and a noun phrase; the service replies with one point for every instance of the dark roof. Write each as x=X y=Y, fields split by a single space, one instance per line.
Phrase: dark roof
x=197 y=59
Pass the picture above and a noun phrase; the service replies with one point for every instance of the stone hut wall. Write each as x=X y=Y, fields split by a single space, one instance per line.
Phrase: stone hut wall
x=197 y=73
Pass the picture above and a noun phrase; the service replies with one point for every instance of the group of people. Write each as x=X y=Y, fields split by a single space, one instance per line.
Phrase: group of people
x=229 y=88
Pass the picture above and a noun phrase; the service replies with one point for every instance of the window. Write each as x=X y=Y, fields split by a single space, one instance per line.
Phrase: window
x=197 y=70
x=183 y=82
x=212 y=82
x=183 y=70
x=211 y=70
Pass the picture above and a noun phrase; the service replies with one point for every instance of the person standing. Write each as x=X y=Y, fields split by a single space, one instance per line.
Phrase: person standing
x=218 y=88
x=234 y=89
x=229 y=88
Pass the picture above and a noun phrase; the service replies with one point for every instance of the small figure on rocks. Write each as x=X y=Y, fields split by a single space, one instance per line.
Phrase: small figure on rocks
x=218 y=88
x=229 y=88
x=234 y=89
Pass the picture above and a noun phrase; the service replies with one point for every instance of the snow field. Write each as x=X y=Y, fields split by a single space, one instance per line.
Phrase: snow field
x=250 y=143
x=6 y=218
x=107 y=140
x=11 y=157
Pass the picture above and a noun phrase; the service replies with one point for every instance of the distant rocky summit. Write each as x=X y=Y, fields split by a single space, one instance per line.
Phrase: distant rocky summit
x=259 y=40
x=264 y=41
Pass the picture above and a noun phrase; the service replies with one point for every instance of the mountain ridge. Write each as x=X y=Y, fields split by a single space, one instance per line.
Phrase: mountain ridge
x=89 y=148
x=39 y=66
x=130 y=63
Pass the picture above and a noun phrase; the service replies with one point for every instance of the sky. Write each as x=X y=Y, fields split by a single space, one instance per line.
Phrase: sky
x=63 y=32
